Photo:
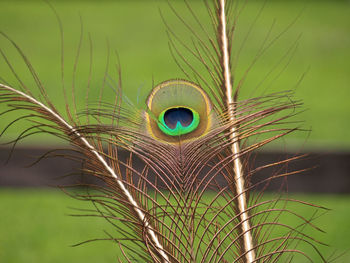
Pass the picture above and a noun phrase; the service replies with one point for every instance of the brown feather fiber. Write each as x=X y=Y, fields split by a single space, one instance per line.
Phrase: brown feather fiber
x=191 y=200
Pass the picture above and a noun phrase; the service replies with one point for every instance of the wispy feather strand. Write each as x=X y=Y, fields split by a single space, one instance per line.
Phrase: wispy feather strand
x=192 y=199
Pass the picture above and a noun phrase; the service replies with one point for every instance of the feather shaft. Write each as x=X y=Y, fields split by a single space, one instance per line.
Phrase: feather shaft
x=238 y=171
x=127 y=194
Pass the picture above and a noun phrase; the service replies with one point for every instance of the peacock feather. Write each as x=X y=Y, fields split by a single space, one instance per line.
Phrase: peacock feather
x=193 y=199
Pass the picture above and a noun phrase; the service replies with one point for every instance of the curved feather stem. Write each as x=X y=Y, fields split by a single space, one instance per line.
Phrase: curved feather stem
x=248 y=246
x=141 y=215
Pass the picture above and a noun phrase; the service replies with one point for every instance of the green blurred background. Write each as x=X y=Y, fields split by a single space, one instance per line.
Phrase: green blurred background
x=135 y=30
x=34 y=226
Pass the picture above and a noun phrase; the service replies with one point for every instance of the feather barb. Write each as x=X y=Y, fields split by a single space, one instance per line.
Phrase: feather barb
x=85 y=142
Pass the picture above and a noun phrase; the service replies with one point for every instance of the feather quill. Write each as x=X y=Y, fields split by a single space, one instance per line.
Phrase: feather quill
x=72 y=132
x=238 y=171
x=194 y=140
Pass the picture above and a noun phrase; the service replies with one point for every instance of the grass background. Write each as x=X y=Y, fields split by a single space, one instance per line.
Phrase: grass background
x=135 y=30
x=34 y=226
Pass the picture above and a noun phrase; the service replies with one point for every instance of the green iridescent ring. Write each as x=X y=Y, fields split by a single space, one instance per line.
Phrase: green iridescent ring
x=177 y=121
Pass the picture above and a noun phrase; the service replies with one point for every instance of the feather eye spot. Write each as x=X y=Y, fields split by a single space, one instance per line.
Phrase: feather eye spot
x=177 y=121
x=178 y=110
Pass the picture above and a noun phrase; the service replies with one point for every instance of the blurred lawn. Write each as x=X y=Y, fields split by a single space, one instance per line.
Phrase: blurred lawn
x=35 y=227
x=135 y=30
x=33 y=224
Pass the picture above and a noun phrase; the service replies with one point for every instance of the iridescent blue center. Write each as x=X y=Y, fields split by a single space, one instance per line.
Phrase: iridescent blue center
x=177 y=121
x=181 y=115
